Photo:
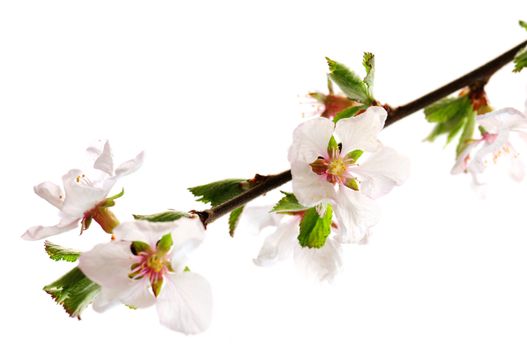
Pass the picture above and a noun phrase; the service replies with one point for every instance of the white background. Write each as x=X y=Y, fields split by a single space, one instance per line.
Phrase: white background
x=210 y=90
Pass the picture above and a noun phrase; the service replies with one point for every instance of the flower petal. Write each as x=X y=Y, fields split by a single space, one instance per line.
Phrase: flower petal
x=257 y=218
x=463 y=159
x=280 y=244
x=323 y=263
x=80 y=195
x=138 y=295
x=309 y=188
x=356 y=214
x=39 y=232
x=108 y=265
x=143 y=231
x=361 y=132
x=503 y=119
x=185 y=303
x=130 y=166
x=51 y=192
x=382 y=171
x=105 y=160
x=478 y=164
x=310 y=140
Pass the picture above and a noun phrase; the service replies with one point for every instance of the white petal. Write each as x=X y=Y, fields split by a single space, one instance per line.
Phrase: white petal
x=382 y=171
x=139 y=294
x=503 y=119
x=280 y=244
x=356 y=214
x=310 y=140
x=39 y=232
x=257 y=218
x=361 y=132
x=478 y=164
x=106 y=299
x=130 y=166
x=462 y=161
x=143 y=231
x=309 y=188
x=105 y=160
x=323 y=263
x=51 y=193
x=185 y=303
x=108 y=264
x=517 y=169
x=80 y=196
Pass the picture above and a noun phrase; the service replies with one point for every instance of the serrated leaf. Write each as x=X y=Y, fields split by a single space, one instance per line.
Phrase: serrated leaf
x=450 y=114
x=74 y=291
x=57 y=253
x=368 y=61
x=218 y=192
x=348 y=112
x=446 y=109
x=350 y=84
x=288 y=204
x=314 y=230
x=520 y=60
x=166 y=216
x=234 y=218
x=467 y=134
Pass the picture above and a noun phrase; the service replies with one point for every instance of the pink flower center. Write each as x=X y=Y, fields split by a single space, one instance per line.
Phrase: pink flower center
x=335 y=168
x=153 y=265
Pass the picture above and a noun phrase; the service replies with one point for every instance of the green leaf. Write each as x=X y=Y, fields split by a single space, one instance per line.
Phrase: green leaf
x=348 y=112
x=57 y=253
x=332 y=145
x=218 y=192
x=446 y=109
x=166 y=216
x=314 y=230
x=450 y=114
x=234 y=218
x=468 y=132
x=520 y=60
x=350 y=84
x=74 y=291
x=368 y=61
x=523 y=24
x=288 y=204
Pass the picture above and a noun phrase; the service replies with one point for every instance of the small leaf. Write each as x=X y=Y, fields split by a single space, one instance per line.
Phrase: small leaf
x=57 y=253
x=450 y=114
x=74 y=291
x=368 y=61
x=218 y=192
x=166 y=216
x=348 y=112
x=446 y=109
x=520 y=60
x=234 y=218
x=157 y=284
x=350 y=84
x=523 y=24
x=288 y=204
x=468 y=132
x=314 y=230
x=165 y=243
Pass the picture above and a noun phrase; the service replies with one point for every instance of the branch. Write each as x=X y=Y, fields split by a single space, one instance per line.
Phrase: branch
x=478 y=76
